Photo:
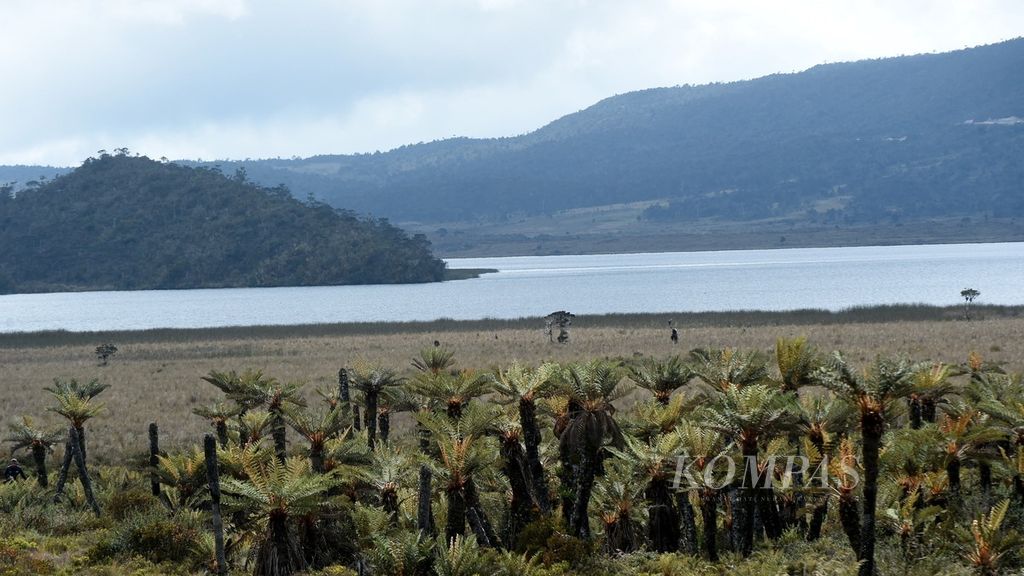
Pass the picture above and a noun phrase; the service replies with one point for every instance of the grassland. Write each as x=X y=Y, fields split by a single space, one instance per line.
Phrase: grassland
x=155 y=375
x=620 y=228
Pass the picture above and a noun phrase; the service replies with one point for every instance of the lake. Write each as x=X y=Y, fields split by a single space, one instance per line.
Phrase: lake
x=785 y=279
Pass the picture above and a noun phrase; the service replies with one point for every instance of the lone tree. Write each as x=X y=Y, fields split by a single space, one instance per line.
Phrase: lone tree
x=560 y=320
x=968 y=294
x=104 y=352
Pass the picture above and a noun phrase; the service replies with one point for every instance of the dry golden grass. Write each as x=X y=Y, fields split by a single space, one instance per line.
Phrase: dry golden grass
x=156 y=376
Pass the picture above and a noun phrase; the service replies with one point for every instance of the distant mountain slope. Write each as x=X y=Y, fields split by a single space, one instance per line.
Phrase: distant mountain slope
x=898 y=138
x=121 y=222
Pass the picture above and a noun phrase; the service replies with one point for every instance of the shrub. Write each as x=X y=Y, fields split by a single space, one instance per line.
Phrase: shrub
x=19 y=555
x=179 y=539
x=125 y=503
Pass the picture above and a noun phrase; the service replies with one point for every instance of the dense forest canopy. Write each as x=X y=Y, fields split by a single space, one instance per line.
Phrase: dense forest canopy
x=123 y=222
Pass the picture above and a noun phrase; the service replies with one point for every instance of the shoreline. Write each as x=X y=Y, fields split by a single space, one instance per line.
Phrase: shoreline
x=880 y=314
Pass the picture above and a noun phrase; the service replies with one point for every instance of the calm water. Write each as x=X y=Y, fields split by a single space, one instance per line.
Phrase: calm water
x=830 y=278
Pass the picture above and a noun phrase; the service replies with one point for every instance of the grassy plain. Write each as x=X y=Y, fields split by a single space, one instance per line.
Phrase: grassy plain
x=155 y=375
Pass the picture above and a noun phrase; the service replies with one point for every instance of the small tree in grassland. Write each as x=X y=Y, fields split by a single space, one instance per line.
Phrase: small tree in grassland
x=104 y=352
x=968 y=294
x=560 y=320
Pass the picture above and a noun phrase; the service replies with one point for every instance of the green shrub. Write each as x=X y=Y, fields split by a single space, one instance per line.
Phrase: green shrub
x=19 y=555
x=534 y=536
x=179 y=539
x=333 y=571
x=576 y=552
x=124 y=503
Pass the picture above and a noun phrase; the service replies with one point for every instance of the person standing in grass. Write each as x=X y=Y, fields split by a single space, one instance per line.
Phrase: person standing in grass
x=13 y=471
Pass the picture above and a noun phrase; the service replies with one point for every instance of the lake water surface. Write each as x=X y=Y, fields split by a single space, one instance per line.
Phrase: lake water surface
x=828 y=278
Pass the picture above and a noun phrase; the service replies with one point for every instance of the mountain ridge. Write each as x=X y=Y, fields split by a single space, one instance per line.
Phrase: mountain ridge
x=865 y=143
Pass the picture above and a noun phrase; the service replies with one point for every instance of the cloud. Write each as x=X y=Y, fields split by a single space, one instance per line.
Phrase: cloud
x=236 y=78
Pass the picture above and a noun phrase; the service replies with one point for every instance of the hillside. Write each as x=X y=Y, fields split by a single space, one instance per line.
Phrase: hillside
x=120 y=222
x=908 y=149
x=879 y=141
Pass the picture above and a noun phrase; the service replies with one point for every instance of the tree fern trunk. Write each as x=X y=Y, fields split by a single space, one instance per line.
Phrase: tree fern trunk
x=316 y=458
x=473 y=504
x=688 y=529
x=953 y=475
x=80 y=430
x=767 y=506
x=39 y=456
x=567 y=476
x=928 y=410
x=871 y=432
x=749 y=497
x=62 y=475
x=849 y=518
x=663 y=518
x=620 y=536
x=818 y=516
x=709 y=514
x=532 y=439
x=384 y=423
x=83 y=474
x=424 y=511
x=456 y=523
x=389 y=500
x=371 y=419
x=915 y=413
x=584 y=489
x=985 y=471
x=213 y=480
x=280 y=434
x=343 y=387
x=154 y=459
x=279 y=554
x=477 y=525
x=732 y=518
x=516 y=469
x=222 y=433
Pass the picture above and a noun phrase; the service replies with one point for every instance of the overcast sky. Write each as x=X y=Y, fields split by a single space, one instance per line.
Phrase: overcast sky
x=263 y=78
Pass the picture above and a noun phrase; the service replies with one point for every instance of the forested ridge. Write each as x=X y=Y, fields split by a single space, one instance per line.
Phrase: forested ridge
x=123 y=222
x=932 y=135
x=911 y=139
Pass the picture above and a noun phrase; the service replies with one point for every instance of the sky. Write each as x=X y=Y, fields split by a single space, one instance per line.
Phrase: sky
x=219 y=79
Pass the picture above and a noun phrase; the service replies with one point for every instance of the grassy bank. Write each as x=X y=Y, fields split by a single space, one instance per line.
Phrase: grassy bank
x=465 y=273
x=155 y=375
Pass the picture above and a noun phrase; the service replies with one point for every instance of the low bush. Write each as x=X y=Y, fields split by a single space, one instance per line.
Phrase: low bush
x=180 y=539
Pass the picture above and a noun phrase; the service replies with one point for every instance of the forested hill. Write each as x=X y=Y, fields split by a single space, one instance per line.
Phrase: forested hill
x=891 y=139
x=121 y=222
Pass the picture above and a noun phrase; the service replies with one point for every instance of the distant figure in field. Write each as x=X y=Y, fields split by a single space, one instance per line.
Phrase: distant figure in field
x=675 y=336
x=437 y=343
x=13 y=470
